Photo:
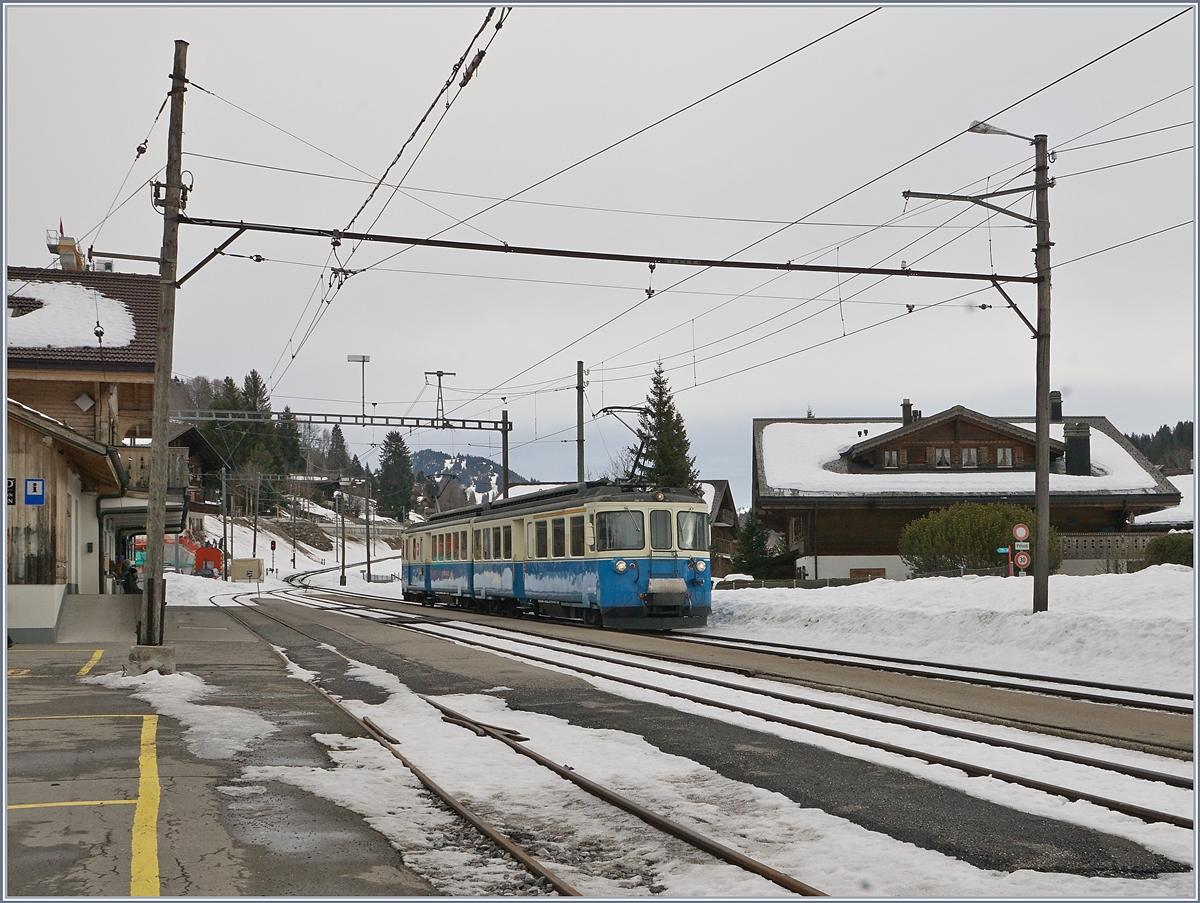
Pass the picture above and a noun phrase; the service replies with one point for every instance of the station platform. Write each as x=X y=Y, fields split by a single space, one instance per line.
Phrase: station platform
x=109 y=796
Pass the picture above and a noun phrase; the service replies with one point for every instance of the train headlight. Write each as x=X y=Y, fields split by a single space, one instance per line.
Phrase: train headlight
x=620 y=566
x=701 y=566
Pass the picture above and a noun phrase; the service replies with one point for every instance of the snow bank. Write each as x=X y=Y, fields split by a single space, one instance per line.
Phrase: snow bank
x=1123 y=628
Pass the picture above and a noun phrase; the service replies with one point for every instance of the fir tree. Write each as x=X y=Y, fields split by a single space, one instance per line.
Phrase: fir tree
x=665 y=459
x=291 y=455
x=395 y=476
x=751 y=555
x=338 y=458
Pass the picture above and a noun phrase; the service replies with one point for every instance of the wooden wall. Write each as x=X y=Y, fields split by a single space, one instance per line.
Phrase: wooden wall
x=37 y=534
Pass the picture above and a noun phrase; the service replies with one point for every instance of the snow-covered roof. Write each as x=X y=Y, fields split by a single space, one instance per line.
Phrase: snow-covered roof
x=800 y=458
x=1182 y=514
x=52 y=317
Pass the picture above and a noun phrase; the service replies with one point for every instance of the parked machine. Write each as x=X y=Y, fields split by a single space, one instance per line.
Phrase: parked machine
x=618 y=556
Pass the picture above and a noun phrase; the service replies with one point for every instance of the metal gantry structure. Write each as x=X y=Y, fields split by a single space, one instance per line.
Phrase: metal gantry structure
x=503 y=426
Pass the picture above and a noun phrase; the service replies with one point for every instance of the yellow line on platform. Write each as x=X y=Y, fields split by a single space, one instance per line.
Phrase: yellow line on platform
x=95 y=658
x=143 y=867
x=73 y=803
x=63 y=717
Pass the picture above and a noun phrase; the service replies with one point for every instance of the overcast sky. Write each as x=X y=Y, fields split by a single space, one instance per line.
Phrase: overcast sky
x=813 y=139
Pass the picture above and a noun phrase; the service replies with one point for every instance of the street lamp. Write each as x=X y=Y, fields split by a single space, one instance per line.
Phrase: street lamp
x=361 y=359
x=1041 y=486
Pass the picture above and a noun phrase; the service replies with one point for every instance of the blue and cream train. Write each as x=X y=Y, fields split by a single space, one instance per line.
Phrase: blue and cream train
x=624 y=557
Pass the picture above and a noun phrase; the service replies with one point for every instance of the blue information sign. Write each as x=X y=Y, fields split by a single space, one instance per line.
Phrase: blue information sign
x=1003 y=551
x=35 y=491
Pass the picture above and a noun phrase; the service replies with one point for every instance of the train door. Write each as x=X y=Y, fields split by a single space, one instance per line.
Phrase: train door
x=518 y=558
x=662 y=544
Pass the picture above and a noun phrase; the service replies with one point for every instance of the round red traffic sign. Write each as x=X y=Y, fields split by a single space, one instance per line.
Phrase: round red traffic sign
x=1021 y=560
x=1020 y=531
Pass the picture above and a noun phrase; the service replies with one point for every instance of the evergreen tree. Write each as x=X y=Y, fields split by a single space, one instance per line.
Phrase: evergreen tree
x=396 y=481
x=665 y=460
x=751 y=554
x=1170 y=448
x=337 y=457
x=291 y=454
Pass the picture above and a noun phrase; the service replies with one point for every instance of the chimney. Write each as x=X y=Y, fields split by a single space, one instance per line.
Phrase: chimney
x=906 y=409
x=1079 y=449
x=1056 y=407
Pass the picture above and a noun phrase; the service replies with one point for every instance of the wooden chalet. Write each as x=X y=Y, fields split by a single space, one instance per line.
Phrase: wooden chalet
x=842 y=489
x=723 y=524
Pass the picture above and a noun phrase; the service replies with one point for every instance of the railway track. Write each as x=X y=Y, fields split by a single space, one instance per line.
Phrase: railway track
x=1153 y=795
x=1173 y=702
x=513 y=741
x=1117 y=694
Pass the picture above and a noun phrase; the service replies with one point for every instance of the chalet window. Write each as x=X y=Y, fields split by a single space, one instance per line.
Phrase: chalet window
x=577 y=536
x=558 y=537
x=540 y=539
x=941 y=457
x=1004 y=457
x=970 y=457
x=891 y=459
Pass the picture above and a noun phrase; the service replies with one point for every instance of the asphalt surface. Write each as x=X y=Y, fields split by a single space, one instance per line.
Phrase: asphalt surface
x=71 y=742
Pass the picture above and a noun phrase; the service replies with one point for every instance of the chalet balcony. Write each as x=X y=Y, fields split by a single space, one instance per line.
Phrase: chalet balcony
x=136 y=461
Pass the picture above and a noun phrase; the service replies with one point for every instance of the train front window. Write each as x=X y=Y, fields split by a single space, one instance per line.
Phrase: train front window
x=693 y=531
x=577 y=536
x=558 y=537
x=620 y=531
x=660 y=530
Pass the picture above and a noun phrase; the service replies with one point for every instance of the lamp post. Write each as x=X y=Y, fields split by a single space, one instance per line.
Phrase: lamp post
x=361 y=359
x=1041 y=485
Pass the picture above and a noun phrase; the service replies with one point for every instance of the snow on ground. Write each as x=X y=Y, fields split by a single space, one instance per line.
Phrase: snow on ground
x=213 y=731
x=1122 y=628
x=620 y=857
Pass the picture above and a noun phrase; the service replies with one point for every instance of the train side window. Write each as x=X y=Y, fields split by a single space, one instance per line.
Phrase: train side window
x=620 y=531
x=495 y=542
x=477 y=545
x=437 y=547
x=577 y=536
x=558 y=537
x=508 y=542
x=540 y=539
x=465 y=548
x=486 y=551
x=457 y=552
x=660 y=530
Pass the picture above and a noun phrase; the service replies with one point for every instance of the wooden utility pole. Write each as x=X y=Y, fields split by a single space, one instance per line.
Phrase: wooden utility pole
x=1041 y=488
x=582 y=475
x=150 y=624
